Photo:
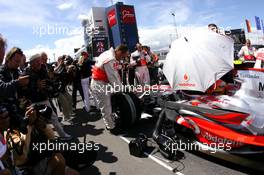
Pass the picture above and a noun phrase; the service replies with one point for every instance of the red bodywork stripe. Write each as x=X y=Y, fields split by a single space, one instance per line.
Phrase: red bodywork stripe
x=232 y=118
x=227 y=133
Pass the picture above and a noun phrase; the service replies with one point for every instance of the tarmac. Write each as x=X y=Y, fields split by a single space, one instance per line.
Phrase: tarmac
x=114 y=157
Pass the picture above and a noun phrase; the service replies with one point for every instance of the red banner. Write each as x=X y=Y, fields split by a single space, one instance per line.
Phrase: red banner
x=128 y=15
x=248 y=26
x=111 y=16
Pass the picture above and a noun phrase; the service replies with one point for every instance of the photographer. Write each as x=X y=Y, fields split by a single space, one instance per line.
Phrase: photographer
x=4 y=124
x=10 y=81
x=86 y=64
x=62 y=75
x=36 y=91
x=74 y=69
x=24 y=156
x=2 y=48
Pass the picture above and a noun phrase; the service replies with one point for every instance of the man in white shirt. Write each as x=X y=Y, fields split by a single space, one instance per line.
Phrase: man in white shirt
x=247 y=52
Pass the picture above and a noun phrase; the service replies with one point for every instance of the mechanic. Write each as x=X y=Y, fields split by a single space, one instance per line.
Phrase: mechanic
x=142 y=58
x=213 y=27
x=152 y=65
x=104 y=77
x=247 y=52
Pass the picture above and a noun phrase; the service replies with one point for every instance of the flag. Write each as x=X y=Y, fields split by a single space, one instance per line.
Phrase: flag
x=248 y=26
x=262 y=22
x=258 y=25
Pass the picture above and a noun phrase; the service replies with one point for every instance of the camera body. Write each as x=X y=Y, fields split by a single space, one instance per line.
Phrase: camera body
x=138 y=145
x=17 y=120
x=43 y=111
x=53 y=88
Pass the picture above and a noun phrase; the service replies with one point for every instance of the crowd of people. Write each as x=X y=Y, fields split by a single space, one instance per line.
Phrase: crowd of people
x=36 y=93
x=27 y=91
x=27 y=88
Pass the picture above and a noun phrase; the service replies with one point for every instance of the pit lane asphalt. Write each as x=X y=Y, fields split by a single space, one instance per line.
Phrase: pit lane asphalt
x=114 y=158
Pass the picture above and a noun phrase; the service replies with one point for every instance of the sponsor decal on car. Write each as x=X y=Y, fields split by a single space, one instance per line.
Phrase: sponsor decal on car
x=216 y=139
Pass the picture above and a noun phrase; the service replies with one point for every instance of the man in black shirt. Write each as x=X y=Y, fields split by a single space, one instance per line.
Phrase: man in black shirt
x=10 y=81
x=37 y=93
x=86 y=72
x=76 y=83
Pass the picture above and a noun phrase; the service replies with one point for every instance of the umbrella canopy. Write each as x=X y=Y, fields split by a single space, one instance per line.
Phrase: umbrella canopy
x=196 y=60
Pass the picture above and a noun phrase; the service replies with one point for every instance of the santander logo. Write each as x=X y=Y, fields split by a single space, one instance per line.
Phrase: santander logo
x=127 y=14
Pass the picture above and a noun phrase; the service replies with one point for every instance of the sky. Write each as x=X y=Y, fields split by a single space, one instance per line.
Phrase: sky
x=31 y=24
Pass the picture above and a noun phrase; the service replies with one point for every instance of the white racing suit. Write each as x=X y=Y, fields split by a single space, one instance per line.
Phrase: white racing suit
x=141 y=72
x=104 y=77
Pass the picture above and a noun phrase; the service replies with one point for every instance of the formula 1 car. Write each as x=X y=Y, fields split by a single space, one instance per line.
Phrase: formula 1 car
x=228 y=127
x=232 y=127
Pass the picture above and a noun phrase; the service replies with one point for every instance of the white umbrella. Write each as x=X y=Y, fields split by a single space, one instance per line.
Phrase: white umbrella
x=198 y=59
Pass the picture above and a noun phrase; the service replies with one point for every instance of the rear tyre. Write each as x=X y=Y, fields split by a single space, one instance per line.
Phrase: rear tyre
x=124 y=108
x=138 y=105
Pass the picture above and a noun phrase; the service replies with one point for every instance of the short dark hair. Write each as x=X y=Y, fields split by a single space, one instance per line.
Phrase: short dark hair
x=122 y=47
x=212 y=25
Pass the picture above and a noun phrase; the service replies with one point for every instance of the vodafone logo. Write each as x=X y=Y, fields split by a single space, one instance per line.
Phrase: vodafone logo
x=186 y=77
x=186 y=83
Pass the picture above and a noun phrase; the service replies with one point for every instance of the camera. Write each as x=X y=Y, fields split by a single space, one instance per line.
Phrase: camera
x=53 y=88
x=43 y=111
x=17 y=121
x=138 y=145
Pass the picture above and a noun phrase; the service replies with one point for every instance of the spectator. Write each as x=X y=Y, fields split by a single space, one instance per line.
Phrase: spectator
x=86 y=72
x=44 y=58
x=23 y=64
x=2 y=49
x=4 y=124
x=76 y=84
